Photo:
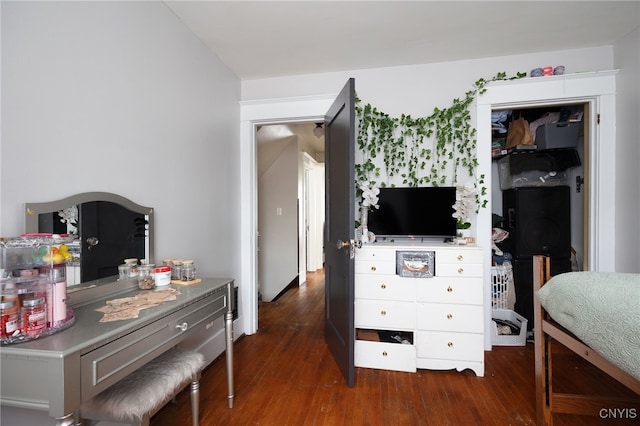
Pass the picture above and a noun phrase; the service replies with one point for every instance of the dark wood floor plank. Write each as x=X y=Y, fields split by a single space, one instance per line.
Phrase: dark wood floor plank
x=285 y=375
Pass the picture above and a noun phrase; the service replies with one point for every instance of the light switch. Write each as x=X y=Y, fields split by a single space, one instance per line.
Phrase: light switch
x=279 y=211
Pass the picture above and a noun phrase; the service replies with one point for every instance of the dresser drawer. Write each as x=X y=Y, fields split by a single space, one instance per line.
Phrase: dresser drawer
x=385 y=315
x=375 y=267
x=459 y=318
x=376 y=253
x=467 y=291
x=459 y=270
x=386 y=356
x=115 y=360
x=459 y=255
x=384 y=287
x=450 y=346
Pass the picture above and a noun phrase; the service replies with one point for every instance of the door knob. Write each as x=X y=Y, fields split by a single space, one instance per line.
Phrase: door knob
x=342 y=244
x=92 y=241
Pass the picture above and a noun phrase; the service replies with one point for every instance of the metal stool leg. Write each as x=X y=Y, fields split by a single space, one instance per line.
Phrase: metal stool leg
x=195 y=402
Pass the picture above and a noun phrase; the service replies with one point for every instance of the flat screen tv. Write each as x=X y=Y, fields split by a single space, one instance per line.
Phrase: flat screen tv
x=414 y=212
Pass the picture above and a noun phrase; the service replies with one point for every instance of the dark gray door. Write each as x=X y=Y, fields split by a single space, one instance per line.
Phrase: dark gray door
x=339 y=230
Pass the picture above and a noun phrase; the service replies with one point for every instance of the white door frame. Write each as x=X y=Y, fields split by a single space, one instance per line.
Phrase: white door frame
x=596 y=89
x=314 y=173
x=253 y=113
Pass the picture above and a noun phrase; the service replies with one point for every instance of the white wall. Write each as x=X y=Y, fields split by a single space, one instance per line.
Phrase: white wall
x=277 y=223
x=627 y=227
x=417 y=89
x=121 y=97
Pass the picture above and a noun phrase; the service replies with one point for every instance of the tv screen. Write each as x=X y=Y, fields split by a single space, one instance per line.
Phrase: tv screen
x=414 y=212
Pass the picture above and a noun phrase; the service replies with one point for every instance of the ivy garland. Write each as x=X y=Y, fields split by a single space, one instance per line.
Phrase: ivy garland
x=421 y=151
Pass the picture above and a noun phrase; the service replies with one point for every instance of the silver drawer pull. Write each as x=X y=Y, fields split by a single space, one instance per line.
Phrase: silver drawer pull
x=383 y=286
x=450 y=344
x=449 y=289
x=384 y=353
x=460 y=270
x=449 y=316
x=373 y=268
x=460 y=257
x=182 y=327
x=383 y=313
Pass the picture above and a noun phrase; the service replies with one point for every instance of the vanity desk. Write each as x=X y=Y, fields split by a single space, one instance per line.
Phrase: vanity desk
x=58 y=373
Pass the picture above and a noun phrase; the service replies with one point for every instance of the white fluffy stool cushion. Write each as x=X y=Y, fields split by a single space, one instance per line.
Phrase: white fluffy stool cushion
x=146 y=389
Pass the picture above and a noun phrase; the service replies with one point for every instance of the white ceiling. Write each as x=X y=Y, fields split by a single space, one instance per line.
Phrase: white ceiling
x=262 y=39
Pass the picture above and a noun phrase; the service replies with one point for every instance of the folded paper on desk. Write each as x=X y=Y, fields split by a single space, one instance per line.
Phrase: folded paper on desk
x=130 y=307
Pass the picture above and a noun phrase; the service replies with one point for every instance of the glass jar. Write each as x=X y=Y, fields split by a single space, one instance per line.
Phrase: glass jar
x=123 y=271
x=169 y=264
x=188 y=270
x=176 y=270
x=34 y=316
x=133 y=267
x=9 y=319
x=146 y=277
x=133 y=272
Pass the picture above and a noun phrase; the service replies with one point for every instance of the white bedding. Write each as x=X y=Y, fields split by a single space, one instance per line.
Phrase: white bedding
x=602 y=309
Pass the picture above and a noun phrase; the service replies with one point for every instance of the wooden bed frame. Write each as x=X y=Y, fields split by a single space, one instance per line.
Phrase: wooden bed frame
x=545 y=331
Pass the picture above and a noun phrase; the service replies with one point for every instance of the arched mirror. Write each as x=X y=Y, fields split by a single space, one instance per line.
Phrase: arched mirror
x=110 y=228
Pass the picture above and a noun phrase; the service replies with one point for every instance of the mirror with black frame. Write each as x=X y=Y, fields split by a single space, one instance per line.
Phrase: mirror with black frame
x=109 y=229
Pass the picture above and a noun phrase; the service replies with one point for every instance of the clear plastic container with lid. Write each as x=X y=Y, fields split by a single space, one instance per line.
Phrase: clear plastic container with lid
x=33 y=287
x=162 y=275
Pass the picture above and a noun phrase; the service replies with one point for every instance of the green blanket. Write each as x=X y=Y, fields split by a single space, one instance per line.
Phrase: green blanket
x=600 y=308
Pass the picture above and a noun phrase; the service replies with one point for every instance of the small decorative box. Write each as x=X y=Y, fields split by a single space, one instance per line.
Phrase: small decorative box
x=416 y=264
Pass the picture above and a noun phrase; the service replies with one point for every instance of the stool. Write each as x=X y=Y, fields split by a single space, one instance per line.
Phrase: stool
x=144 y=392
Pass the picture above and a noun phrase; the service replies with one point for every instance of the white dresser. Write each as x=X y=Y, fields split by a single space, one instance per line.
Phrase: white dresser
x=440 y=318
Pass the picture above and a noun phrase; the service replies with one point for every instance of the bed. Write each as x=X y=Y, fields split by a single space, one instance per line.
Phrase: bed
x=597 y=316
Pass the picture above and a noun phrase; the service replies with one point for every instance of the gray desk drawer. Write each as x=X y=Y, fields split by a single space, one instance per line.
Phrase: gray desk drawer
x=108 y=364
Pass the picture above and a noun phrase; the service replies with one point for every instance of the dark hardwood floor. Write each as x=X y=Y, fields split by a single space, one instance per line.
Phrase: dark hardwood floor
x=285 y=375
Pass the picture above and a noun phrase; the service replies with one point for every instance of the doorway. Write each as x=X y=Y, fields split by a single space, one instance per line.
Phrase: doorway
x=596 y=92
x=543 y=167
x=538 y=195
x=290 y=204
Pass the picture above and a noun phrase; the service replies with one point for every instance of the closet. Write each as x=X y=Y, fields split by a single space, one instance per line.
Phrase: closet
x=591 y=184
